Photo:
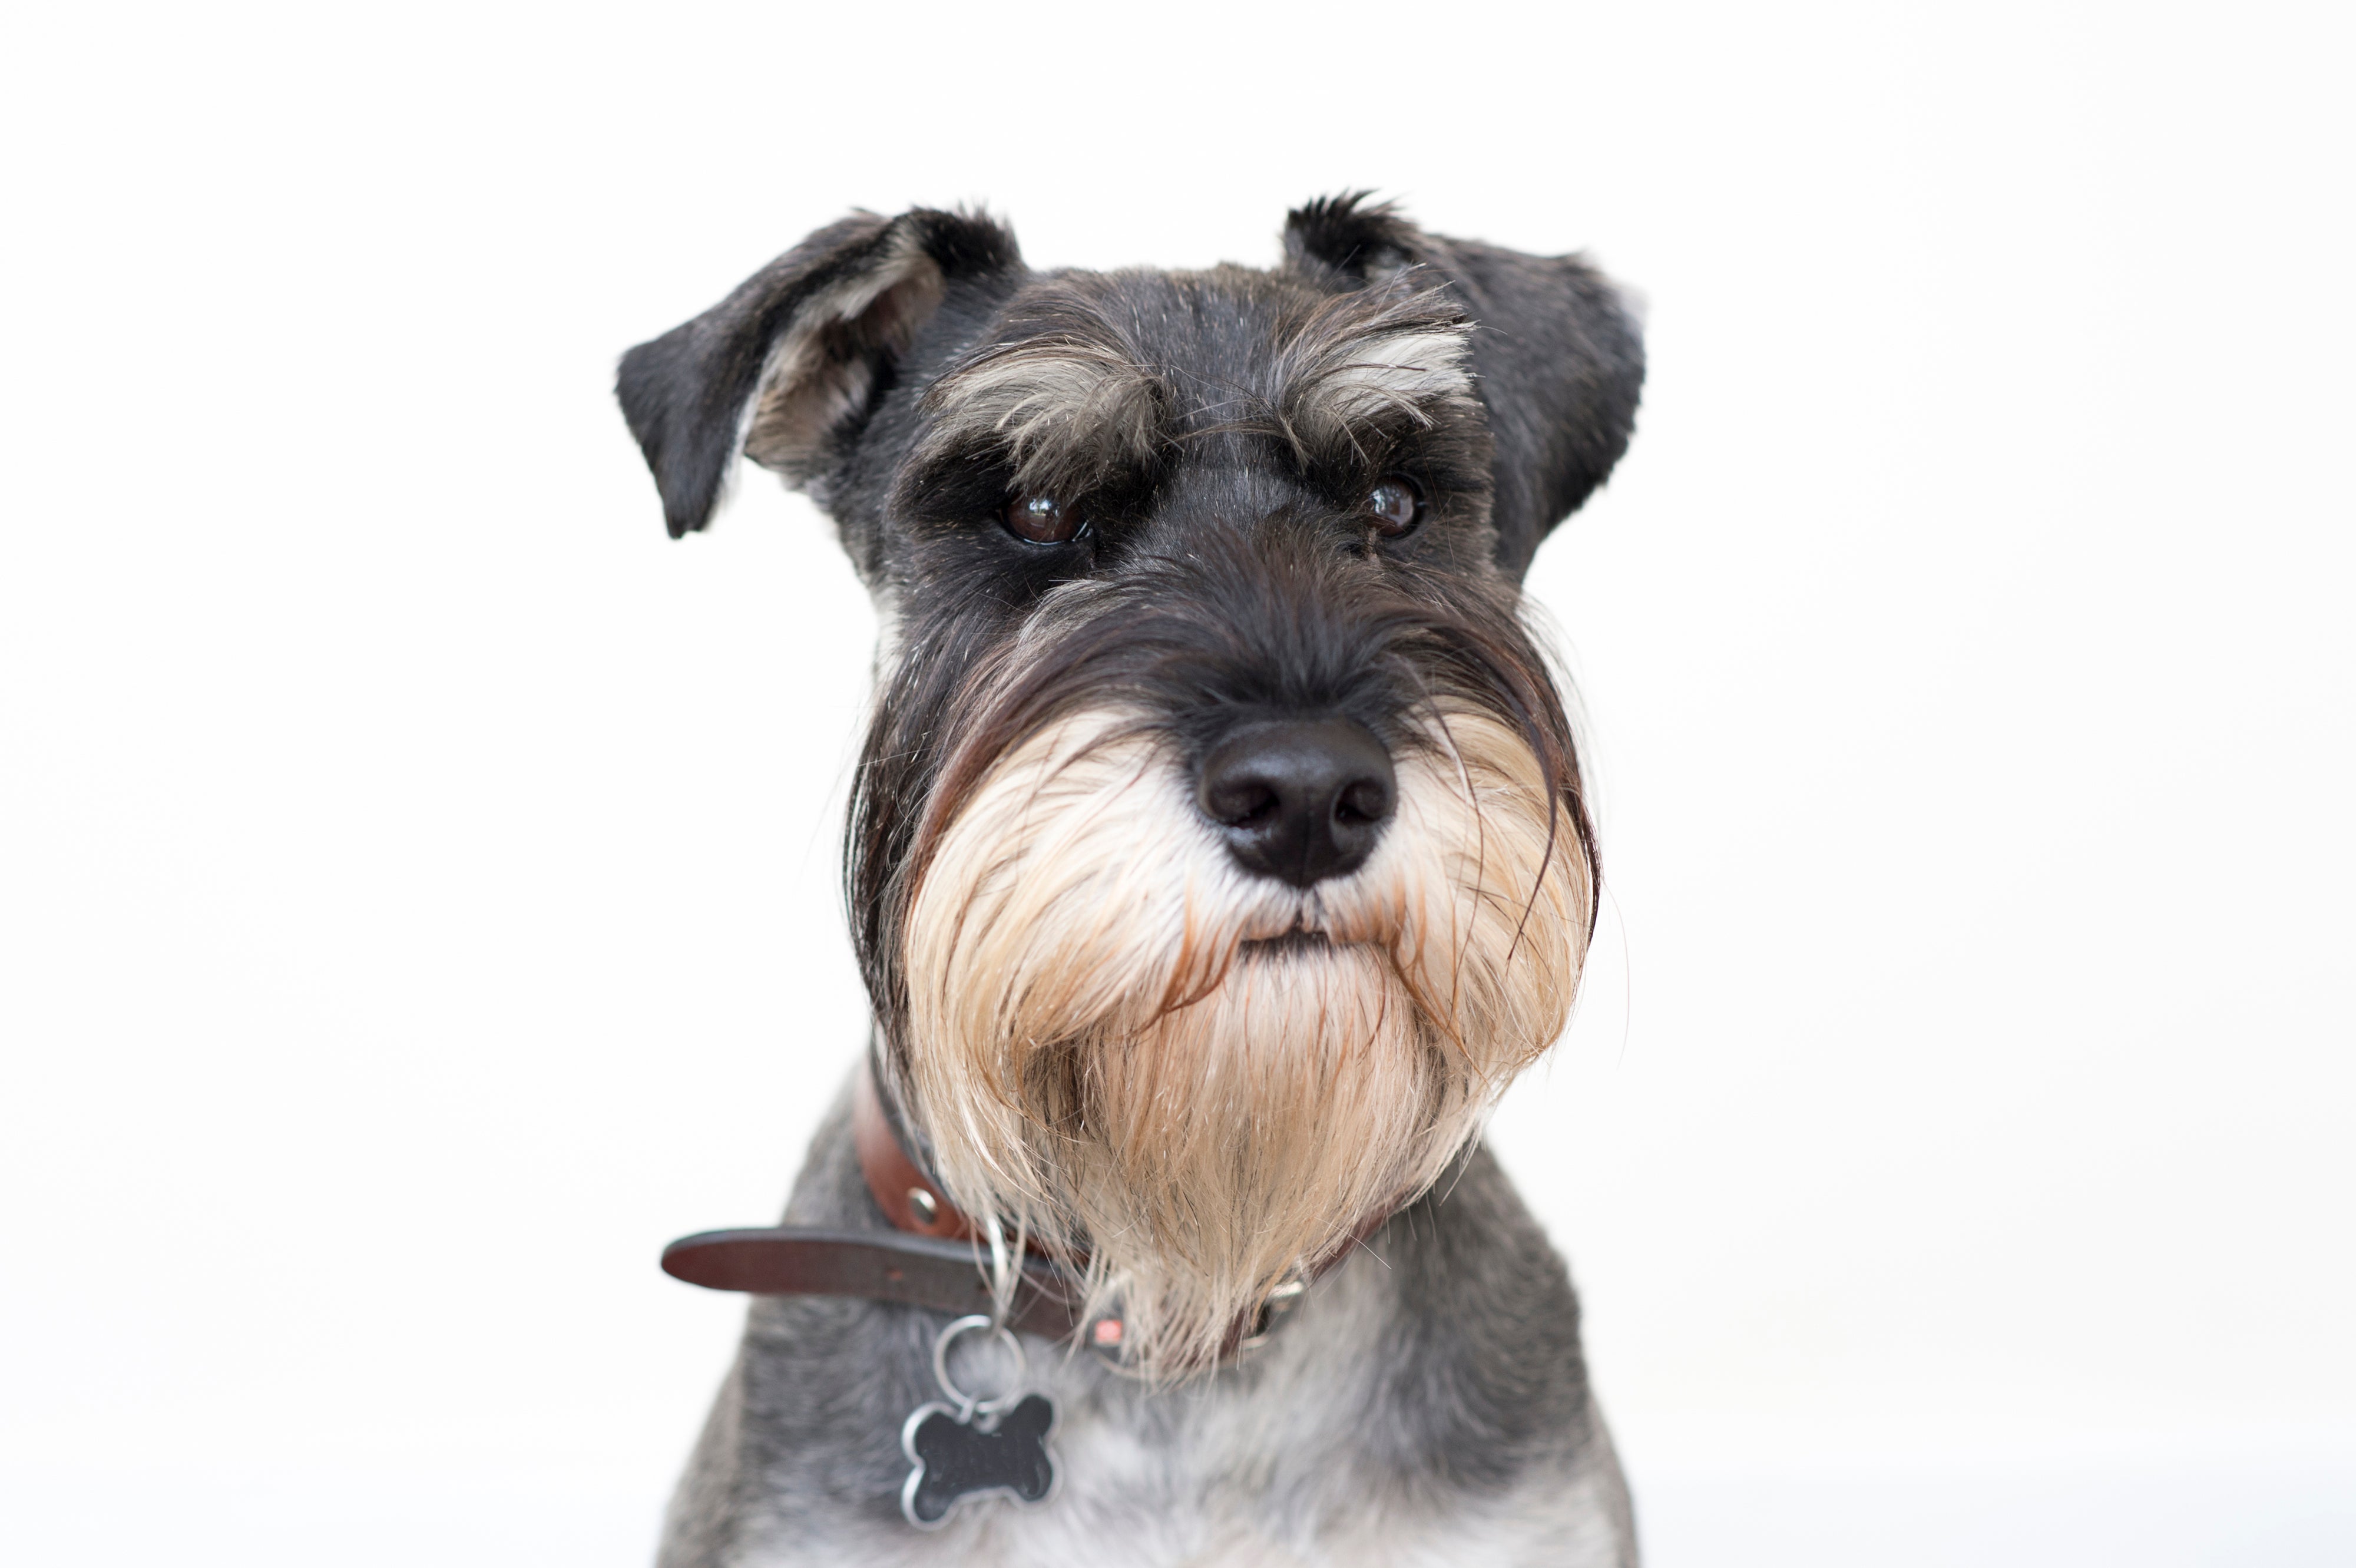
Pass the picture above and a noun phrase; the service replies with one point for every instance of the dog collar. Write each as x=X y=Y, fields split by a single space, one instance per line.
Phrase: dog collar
x=902 y=1189
x=934 y=1257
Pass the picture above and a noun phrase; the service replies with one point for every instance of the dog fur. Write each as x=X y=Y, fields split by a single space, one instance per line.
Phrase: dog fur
x=1102 y=1025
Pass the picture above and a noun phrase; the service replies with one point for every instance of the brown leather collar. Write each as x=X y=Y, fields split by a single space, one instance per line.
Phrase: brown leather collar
x=800 y=1260
x=909 y=1197
x=935 y=1256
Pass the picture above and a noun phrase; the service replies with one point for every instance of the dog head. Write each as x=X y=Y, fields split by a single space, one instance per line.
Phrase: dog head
x=1218 y=853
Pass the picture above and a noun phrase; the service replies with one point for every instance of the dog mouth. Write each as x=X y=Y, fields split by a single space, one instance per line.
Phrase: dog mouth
x=1291 y=944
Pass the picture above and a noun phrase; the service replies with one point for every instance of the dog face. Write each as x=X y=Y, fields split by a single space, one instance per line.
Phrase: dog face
x=1218 y=853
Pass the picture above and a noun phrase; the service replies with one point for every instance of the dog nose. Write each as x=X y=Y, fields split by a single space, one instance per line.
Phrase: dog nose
x=1302 y=799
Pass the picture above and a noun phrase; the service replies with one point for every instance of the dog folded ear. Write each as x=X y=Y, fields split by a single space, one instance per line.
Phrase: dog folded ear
x=1557 y=355
x=787 y=368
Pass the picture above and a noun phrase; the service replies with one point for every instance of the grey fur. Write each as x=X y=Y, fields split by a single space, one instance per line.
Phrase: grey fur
x=1427 y=1402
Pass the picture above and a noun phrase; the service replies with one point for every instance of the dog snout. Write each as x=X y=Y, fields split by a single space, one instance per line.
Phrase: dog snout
x=1298 y=800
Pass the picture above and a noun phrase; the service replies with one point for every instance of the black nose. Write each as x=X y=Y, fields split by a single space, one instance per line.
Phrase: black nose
x=1298 y=800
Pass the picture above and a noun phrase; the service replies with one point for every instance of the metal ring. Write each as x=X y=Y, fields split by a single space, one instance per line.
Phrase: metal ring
x=1001 y=1268
x=968 y=1406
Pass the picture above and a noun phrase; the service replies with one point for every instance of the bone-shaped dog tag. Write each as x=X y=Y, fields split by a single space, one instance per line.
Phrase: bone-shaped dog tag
x=975 y=1448
x=956 y=1459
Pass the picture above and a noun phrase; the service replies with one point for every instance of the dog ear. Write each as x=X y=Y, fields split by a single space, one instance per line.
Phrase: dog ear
x=1557 y=354
x=787 y=369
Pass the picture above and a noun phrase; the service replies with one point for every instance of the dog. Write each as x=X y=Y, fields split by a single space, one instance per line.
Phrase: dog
x=1217 y=854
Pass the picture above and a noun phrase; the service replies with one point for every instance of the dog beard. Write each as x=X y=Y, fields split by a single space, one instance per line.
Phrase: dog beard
x=1206 y=1083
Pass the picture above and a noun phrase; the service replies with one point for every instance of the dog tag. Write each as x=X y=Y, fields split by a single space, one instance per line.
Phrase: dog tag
x=975 y=1448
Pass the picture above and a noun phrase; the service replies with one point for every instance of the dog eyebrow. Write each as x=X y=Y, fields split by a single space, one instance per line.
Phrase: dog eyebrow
x=1070 y=410
x=1361 y=361
x=1079 y=403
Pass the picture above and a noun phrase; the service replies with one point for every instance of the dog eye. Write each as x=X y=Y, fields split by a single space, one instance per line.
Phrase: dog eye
x=1042 y=519
x=1394 y=506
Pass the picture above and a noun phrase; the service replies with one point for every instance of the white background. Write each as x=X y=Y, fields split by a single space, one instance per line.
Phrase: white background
x=417 y=893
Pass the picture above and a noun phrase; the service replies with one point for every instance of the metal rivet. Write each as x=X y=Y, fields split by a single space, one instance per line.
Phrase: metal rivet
x=921 y=1201
x=1279 y=1301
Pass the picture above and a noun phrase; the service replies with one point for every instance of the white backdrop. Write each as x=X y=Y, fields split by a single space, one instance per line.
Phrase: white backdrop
x=417 y=893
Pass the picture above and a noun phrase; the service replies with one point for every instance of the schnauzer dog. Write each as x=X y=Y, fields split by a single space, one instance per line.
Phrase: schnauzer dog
x=1217 y=856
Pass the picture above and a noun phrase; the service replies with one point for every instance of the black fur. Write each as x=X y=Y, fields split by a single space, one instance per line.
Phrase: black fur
x=686 y=393
x=1233 y=564
x=1230 y=570
x=1560 y=359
